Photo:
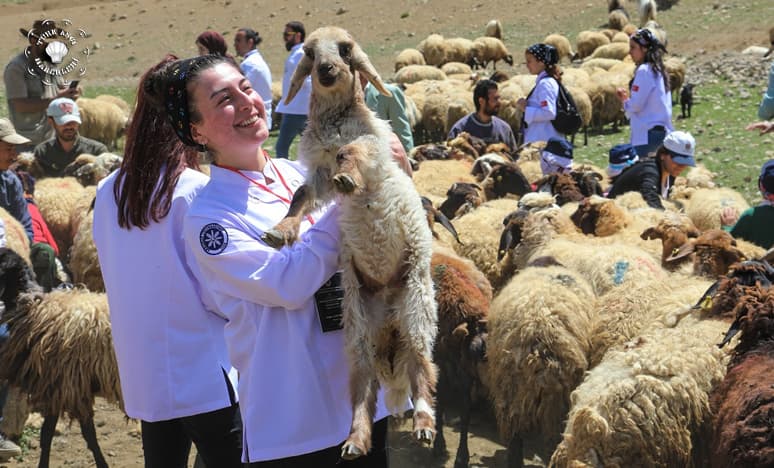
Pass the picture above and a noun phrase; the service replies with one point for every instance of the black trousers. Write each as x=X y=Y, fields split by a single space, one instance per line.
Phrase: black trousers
x=217 y=435
x=331 y=457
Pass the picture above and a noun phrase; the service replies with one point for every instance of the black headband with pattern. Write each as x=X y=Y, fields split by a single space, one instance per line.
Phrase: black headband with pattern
x=176 y=101
x=645 y=38
x=545 y=53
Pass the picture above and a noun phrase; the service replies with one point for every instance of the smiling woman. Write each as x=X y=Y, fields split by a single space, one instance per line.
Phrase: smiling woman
x=282 y=326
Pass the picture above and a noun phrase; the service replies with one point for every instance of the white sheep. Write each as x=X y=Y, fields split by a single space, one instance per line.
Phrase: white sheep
x=102 y=120
x=489 y=49
x=414 y=73
x=15 y=236
x=562 y=45
x=494 y=29
x=433 y=49
x=386 y=244
x=409 y=57
x=588 y=41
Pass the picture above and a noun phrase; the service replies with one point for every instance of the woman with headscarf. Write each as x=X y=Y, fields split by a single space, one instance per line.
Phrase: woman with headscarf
x=539 y=106
x=648 y=104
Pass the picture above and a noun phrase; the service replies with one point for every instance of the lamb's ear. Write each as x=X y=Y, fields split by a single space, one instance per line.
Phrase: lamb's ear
x=362 y=64
x=303 y=69
x=651 y=233
x=684 y=250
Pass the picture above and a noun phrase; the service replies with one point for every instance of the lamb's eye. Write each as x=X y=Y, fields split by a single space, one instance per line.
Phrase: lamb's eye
x=309 y=53
x=345 y=50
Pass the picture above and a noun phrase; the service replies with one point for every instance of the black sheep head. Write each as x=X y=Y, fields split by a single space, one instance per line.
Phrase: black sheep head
x=16 y=277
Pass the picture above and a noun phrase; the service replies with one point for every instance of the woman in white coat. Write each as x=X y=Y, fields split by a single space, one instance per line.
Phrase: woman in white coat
x=172 y=358
x=283 y=330
x=539 y=106
x=648 y=103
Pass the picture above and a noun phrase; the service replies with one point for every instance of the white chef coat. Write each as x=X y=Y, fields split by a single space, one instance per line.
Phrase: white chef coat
x=649 y=104
x=541 y=110
x=293 y=384
x=170 y=350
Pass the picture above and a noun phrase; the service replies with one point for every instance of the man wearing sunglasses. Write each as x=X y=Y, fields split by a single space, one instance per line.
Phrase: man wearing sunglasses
x=293 y=113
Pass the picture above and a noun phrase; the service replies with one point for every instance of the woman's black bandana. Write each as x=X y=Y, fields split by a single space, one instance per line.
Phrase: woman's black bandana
x=176 y=102
x=545 y=53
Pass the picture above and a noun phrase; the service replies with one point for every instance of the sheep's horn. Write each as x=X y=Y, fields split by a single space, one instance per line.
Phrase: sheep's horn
x=303 y=69
x=362 y=64
x=441 y=219
x=732 y=331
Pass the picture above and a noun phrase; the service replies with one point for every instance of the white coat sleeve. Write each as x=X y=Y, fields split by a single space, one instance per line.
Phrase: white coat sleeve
x=542 y=106
x=642 y=87
x=249 y=270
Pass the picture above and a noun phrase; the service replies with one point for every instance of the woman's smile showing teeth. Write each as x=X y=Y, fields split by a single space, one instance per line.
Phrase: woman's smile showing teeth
x=248 y=122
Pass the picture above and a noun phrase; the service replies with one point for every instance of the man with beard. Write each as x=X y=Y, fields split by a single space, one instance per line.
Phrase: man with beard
x=293 y=113
x=29 y=89
x=55 y=154
x=484 y=123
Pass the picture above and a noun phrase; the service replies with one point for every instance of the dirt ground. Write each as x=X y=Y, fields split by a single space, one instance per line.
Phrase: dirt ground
x=128 y=36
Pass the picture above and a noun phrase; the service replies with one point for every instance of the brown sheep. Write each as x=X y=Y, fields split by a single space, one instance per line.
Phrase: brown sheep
x=563 y=186
x=461 y=198
x=505 y=179
x=714 y=253
x=674 y=230
x=463 y=296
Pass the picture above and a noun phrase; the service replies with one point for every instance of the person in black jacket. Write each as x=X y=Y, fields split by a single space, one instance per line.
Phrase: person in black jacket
x=653 y=177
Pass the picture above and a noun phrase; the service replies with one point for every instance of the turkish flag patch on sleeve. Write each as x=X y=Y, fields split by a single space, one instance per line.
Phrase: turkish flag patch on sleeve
x=543 y=103
x=635 y=88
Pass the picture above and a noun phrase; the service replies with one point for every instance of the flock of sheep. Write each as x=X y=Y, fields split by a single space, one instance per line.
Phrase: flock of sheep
x=589 y=325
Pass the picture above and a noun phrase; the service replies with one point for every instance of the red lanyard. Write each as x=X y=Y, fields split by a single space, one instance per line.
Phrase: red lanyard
x=265 y=188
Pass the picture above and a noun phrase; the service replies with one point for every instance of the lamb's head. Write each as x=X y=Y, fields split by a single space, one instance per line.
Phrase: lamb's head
x=600 y=217
x=332 y=58
x=461 y=198
x=504 y=179
x=563 y=186
x=16 y=277
x=436 y=216
x=674 y=230
x=714 y=253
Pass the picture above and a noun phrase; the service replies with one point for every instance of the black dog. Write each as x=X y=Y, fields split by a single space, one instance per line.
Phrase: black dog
x=686 y=100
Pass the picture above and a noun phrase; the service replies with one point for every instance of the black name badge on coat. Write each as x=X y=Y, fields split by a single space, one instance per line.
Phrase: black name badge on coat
x=327 y=301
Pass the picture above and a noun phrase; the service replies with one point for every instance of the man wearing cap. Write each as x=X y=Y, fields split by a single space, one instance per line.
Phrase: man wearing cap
x=755 y=224
x=254 y=67
x=12 y=200
x=556 y=157
x=27 y=94
x=653 y=176
x=620 y=158
x=484 y=123
x=56 y=153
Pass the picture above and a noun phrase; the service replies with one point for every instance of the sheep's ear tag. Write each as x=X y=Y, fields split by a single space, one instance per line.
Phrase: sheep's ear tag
x=706 y=304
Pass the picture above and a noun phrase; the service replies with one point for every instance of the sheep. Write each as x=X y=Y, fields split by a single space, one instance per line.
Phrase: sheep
x=674 y=230
x=347 y=151
x=704 y=206
x=84 y=263
x=433 y=49
x=60 y=352
x=675 y=70
x=15 y=236
x=494 y=29
x=686 y=100
x=458 y=49
x=538 y=343
x=102 y=120
x=483 y=165
x=89 y=169
x=456 y=68
x=414 y=73
x=117 y=101
x=613 y=50
x=714 y=253
x=27 y=162
x=505 y=179
x=617 y=19
x=647 y=10
x=583 y=104
x=55 y=197
x=435 y=177
x=463 y=296
x=657 y=31
x=489 y=49
x=409 y=57
x=587 y=42
x=643 y=403
x=461 y=199
x=562 y=45
x=620 y=37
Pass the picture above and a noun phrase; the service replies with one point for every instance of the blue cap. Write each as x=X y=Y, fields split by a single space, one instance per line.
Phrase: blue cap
x=559 y=147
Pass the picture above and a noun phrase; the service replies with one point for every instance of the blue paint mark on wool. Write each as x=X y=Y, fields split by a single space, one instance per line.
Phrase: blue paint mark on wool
x=621 y=267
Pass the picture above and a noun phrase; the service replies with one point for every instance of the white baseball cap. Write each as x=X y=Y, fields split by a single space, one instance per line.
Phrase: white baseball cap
x=8 y=133
x=681 y=146
x=63 y=110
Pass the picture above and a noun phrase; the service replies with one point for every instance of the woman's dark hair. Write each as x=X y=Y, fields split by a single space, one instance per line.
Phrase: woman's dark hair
x=154 y=156
x=214 y=42
x=654 y=54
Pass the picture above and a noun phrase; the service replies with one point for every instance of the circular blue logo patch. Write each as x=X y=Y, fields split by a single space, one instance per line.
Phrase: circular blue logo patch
x=213 y=238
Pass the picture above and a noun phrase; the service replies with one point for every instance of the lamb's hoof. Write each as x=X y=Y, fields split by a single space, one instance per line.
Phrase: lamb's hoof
x=350 y=451
x=424 y=436
x=344 y=183
x=274 y=238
